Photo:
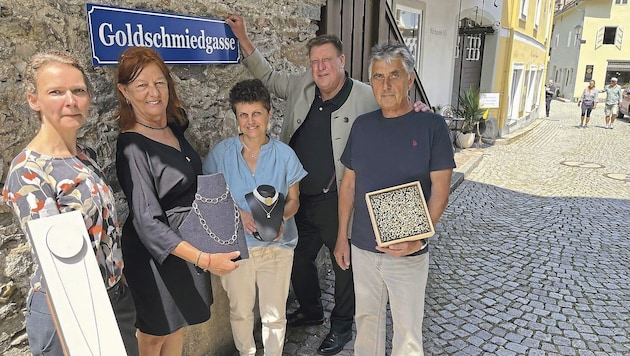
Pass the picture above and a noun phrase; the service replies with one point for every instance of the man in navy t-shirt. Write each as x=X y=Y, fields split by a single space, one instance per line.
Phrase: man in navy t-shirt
x=389 y=147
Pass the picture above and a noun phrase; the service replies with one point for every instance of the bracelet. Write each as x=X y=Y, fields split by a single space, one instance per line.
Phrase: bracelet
x=198 y=257
x=209 y=261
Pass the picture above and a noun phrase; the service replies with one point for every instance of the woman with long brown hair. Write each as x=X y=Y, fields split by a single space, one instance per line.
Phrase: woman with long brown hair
x=157 y=169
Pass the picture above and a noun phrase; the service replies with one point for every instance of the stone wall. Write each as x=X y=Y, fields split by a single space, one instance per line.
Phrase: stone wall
x=279 y=29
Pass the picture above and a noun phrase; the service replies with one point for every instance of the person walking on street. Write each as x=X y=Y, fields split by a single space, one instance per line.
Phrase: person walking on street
x=321 y=106
x=613 y=99
x=550 y=92
x=386 y=148
x=588 y=102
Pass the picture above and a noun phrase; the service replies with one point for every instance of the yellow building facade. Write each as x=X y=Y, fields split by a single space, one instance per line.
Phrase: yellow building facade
x=588 y=43
x=515 y=56
x=521 y=61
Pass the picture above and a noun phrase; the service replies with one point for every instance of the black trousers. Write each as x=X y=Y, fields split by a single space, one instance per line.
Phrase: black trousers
x=317 y=223
x=548 y=104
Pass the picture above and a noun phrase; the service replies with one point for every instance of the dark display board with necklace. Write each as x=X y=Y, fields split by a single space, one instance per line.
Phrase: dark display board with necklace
x=267 y=207
x=214 y=223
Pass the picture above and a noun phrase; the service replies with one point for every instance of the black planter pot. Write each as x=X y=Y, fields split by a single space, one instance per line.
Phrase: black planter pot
x=482 y=127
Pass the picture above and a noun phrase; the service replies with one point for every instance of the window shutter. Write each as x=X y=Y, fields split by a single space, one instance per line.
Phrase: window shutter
x=619 y=38
x=600 y=38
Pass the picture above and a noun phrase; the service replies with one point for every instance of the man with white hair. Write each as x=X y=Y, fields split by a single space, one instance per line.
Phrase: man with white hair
x=613 y=99
x=388 y=147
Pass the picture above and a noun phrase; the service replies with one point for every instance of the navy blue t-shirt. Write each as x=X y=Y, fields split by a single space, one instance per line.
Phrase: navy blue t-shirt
x=385 y=152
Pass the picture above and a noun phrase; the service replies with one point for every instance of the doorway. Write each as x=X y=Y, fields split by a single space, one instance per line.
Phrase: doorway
x=468 y=60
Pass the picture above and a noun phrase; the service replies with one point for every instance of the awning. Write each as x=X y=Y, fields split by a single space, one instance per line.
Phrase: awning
x=618 y=66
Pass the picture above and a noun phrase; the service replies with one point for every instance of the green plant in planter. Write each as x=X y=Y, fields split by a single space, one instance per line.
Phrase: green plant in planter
x=470 y=110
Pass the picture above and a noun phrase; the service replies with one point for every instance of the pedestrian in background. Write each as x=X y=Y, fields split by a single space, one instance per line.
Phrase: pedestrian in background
x=386 y=148
x=613 y=99
x=55 y=175
x=588 y=102
x=157 y=169
x=550 y=92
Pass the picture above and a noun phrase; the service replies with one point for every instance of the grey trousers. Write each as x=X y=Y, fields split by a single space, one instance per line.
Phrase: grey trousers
x=42 y=335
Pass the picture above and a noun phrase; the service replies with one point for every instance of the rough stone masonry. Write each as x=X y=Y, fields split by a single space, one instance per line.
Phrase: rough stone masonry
x=279 y=29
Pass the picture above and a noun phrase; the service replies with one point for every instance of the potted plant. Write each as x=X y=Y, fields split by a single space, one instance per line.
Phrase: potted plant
x=471 y=112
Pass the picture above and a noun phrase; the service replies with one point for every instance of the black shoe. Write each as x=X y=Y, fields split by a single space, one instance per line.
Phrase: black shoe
x=300 y=319
x=334 y=342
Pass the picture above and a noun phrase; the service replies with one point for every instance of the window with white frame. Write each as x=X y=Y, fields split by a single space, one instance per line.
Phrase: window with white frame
x=621 y=2
x=538 y=85
x=410 y=23
x=569 y=39
x=531 y=89
x=473 y=48
x=556 y=41
x=515 y=90
x=609 y=35
x=524 y=8
x=537 y=18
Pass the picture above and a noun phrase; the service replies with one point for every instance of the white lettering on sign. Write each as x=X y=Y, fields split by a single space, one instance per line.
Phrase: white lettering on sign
x=130 y=36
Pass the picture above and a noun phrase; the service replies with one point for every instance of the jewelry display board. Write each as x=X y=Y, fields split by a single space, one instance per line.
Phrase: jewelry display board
x=214 y=224
x=399 y=214
x=75 y=285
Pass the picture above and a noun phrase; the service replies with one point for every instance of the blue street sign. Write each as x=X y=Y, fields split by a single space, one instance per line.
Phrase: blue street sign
x=179 y=39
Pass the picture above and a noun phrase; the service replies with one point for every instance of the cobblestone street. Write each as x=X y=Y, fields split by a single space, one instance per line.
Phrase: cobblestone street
x=531 y=255
x=531 y=258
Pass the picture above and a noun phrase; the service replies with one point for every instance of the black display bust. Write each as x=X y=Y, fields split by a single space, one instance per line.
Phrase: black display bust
x=267 y=207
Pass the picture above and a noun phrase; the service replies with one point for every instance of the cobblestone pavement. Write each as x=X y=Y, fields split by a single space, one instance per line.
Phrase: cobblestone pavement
x=531 y=255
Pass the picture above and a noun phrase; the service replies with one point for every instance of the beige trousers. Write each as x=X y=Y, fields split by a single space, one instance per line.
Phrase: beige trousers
x=267 y=269
x=379 y=278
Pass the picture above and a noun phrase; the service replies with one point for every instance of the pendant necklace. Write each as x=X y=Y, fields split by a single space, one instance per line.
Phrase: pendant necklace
x=151 y=127
x=252 y=155
x=269 y=201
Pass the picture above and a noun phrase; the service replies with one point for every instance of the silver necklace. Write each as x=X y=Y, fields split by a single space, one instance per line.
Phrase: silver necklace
x=251 y=153
x=204 y=224
x=151 y=127
x=268 y=201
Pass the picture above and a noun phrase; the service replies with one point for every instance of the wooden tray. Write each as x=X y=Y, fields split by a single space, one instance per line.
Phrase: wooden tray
x=399 y=214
